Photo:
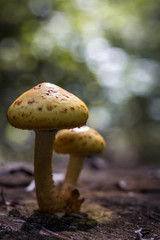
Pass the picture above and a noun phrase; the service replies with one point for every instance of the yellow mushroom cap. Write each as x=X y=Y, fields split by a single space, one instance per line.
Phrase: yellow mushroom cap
x=47 y=106
x=83 y=140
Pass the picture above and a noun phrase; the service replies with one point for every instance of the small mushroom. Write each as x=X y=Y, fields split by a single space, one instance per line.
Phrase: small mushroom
x=45 y=109
x=77 y=142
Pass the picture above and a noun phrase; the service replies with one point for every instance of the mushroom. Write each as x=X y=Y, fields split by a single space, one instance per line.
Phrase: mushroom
x=78 y=142
x=45 y=109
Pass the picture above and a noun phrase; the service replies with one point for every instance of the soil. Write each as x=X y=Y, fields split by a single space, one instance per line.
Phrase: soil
x=120 y=203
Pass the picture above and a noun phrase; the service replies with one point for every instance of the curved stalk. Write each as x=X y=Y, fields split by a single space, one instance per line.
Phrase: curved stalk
x=48 y=197
x=74 y=168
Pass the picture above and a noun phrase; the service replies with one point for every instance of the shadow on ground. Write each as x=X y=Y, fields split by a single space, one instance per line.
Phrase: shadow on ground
x=44 y=226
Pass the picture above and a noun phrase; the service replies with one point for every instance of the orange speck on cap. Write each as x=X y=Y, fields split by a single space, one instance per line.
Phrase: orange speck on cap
x=49 y=108
x=18 y=102
x=31 y=101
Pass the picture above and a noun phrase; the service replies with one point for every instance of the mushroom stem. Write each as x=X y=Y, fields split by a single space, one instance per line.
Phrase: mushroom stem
x=74 y=168
x=48 y=197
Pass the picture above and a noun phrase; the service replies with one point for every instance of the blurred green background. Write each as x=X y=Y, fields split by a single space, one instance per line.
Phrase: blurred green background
x=106 y=52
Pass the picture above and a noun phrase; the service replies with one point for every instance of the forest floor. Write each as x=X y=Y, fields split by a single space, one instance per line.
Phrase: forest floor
x=120 y=203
